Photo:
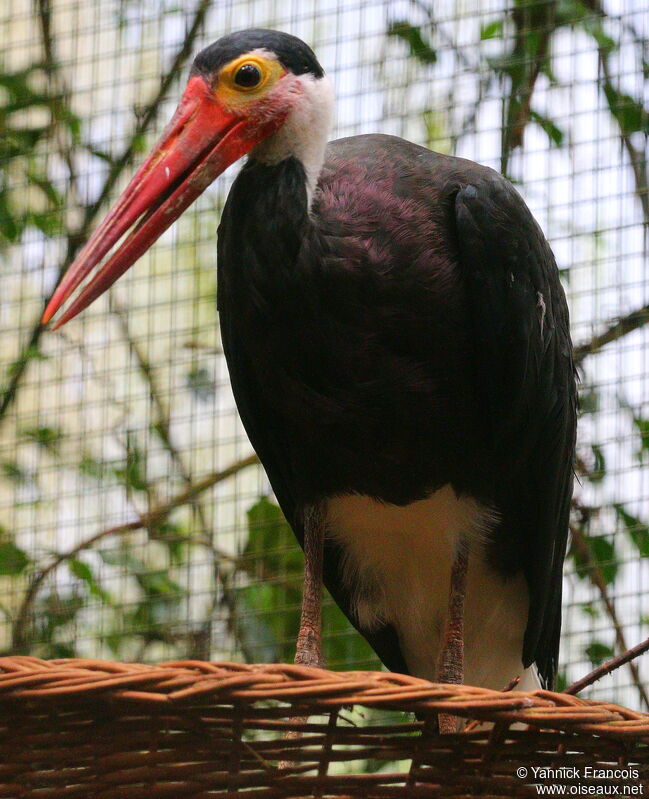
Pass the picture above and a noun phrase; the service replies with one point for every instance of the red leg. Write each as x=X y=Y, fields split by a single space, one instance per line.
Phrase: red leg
x=308 y=650
x=451 y=662
x=309 y=640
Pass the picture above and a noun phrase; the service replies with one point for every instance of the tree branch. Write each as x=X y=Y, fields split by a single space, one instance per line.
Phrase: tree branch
x=146 y=520
x=636 y=157
x=60 y=98
x=162 y=425
x=580 y=545
x=613 y=332
x=76 y=238
x=523 y=67
x=608 y=667
x=163 y=431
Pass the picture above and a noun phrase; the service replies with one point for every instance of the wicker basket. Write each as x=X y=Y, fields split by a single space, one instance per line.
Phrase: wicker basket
x=85 y=728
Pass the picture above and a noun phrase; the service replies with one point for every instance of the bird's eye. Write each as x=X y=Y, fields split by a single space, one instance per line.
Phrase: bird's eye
x=248 y=76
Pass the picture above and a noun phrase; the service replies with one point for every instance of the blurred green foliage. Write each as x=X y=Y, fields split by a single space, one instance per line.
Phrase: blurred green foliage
x=27 y=112
x=270 y=611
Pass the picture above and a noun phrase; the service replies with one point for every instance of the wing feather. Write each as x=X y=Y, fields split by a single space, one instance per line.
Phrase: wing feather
x=525 y=376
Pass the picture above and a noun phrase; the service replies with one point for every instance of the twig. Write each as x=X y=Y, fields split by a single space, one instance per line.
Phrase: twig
x=60 y=99
x=161 y=426
x=580 y=545
x=613 y=332
x=608 y=667
x=526 y=68
x=151 y=112
x=636 y=156
x=162 y=429
x=471 y=66
x=146 y=520
x=76 y=238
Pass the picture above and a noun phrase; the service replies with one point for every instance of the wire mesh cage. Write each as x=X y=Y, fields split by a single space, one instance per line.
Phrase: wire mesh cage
x=135 y=521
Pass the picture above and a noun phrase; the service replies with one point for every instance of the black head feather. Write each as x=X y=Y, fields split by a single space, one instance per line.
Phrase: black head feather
x=292 y=52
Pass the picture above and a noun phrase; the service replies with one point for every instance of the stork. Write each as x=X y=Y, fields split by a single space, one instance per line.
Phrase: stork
x=398 y=343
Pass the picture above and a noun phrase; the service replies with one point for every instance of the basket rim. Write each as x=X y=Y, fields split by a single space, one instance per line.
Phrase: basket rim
x=312 y=690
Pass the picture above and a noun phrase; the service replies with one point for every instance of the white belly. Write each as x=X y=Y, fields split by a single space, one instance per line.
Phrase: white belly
x=397 y=567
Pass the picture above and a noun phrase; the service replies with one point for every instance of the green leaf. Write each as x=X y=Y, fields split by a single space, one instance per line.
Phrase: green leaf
x=123 y=558
x=14 y=472
x=48 y=189
x=102 y=154
x=72 y=122
x=560 y=682
x=48 y=222
x=11 y=225
x=158 y=583
x=54 y=611
x=268 y=610
x=344 y=647
x=554 y=133
x=642 y=426
x=47 y=437
x=92 y=468
x=411 y=34
x=492 y=30
x=437 y=133
x=631 y=115
x=82 y=571
x=139 y=143
x=132 y=474
x=598 y=472
x=153 y=581
x=589 y=400
x=160 y=596
x=590 y=610
x=597 y=652
x=601 y=555
x=201 y=383
x=29 y=354
x=271 y=538
x=592 y=24
x=577 y=13
x=637 y=529
x=13 y=561
x=174 y=537
x=114 y=641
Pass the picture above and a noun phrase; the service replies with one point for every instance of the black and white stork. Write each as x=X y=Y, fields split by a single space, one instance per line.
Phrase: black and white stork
x=398 y=344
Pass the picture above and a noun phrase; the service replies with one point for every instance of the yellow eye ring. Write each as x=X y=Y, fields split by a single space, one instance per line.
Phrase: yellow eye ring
x=248 y=76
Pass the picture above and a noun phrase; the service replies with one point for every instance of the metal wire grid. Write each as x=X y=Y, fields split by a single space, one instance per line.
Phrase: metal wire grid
x=128 y=406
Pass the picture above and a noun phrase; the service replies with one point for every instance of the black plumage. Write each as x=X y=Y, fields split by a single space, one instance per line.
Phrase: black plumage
x=410 y=332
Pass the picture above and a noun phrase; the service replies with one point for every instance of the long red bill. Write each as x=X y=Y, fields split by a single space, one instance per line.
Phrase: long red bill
x=201 y=141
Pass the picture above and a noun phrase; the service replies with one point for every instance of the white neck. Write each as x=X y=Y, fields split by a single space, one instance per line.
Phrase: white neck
x=305 y=133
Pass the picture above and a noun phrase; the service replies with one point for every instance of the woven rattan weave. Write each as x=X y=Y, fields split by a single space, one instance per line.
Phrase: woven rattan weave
x=86 y=728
